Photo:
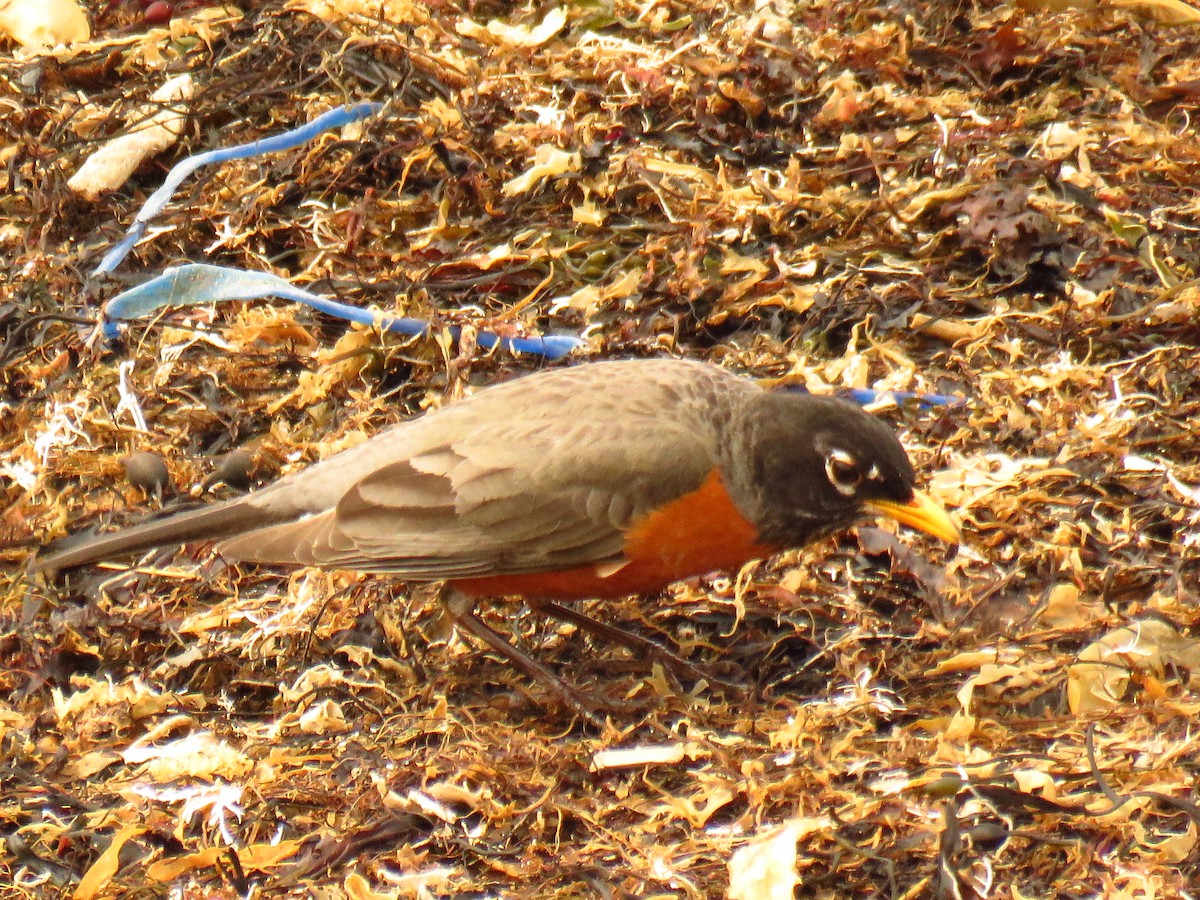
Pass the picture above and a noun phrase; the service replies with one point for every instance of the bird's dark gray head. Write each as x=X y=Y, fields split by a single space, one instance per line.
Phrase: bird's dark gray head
x=821 y=464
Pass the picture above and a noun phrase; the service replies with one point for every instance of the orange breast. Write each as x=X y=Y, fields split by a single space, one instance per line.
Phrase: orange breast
x=698 y=533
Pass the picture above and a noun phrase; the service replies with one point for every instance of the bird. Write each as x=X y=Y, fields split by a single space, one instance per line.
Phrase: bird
x=596 y=481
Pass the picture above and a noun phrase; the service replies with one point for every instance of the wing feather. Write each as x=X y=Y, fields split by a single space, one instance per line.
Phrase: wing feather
x=510 y=487
x=476 y=518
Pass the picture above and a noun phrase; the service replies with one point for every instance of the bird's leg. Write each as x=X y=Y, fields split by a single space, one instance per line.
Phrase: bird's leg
x=643 y=646
x=462 y=610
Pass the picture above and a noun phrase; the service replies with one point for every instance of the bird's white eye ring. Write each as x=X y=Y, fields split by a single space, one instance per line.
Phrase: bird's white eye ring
x=843 y=472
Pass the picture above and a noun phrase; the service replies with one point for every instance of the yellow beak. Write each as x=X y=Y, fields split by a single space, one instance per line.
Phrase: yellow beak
x=920 y=512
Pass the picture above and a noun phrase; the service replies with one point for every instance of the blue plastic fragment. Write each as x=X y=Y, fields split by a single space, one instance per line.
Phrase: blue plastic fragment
x=867 y=396
x=196 y=283
x=335 y=118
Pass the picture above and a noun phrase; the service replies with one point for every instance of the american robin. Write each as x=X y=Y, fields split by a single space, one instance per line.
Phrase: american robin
x=603 y=480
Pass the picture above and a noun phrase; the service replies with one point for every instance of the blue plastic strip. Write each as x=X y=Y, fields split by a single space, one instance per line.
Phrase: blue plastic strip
x=335 y=118
x=196 y=284
x=867 y=396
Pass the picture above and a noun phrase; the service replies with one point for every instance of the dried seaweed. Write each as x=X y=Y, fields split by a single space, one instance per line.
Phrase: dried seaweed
x=990 y=201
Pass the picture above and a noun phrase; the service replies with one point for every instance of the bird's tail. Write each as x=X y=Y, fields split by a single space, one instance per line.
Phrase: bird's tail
x=219 y=520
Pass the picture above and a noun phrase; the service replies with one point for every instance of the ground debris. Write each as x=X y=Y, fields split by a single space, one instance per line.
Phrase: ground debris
x=993 y=202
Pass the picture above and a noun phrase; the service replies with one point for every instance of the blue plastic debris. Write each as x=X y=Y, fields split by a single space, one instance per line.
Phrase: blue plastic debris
x=335 y=118
x=193 y=284
x=196 y=284
x=868 y=396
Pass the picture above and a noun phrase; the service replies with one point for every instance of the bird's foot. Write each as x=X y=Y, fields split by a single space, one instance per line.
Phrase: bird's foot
x=643 y=647
x=462 y=610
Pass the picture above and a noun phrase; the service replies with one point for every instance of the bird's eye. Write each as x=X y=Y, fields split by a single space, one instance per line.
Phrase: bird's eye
x=843 y=472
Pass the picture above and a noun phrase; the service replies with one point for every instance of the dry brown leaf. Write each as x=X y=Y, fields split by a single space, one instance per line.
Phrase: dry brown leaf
x=764 y=868
x=41 y=24
x=1065 y=609
x=522 y=36
x=199 y=755
x=253 y=858
x=150 y=130
x=1100 y=677
x=1175 y=12
x=947 y=329
x=644 y=755
x=97 y=877
x=548 y=162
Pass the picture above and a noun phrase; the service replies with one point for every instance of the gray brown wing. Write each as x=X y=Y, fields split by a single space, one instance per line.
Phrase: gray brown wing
x=506 y=498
